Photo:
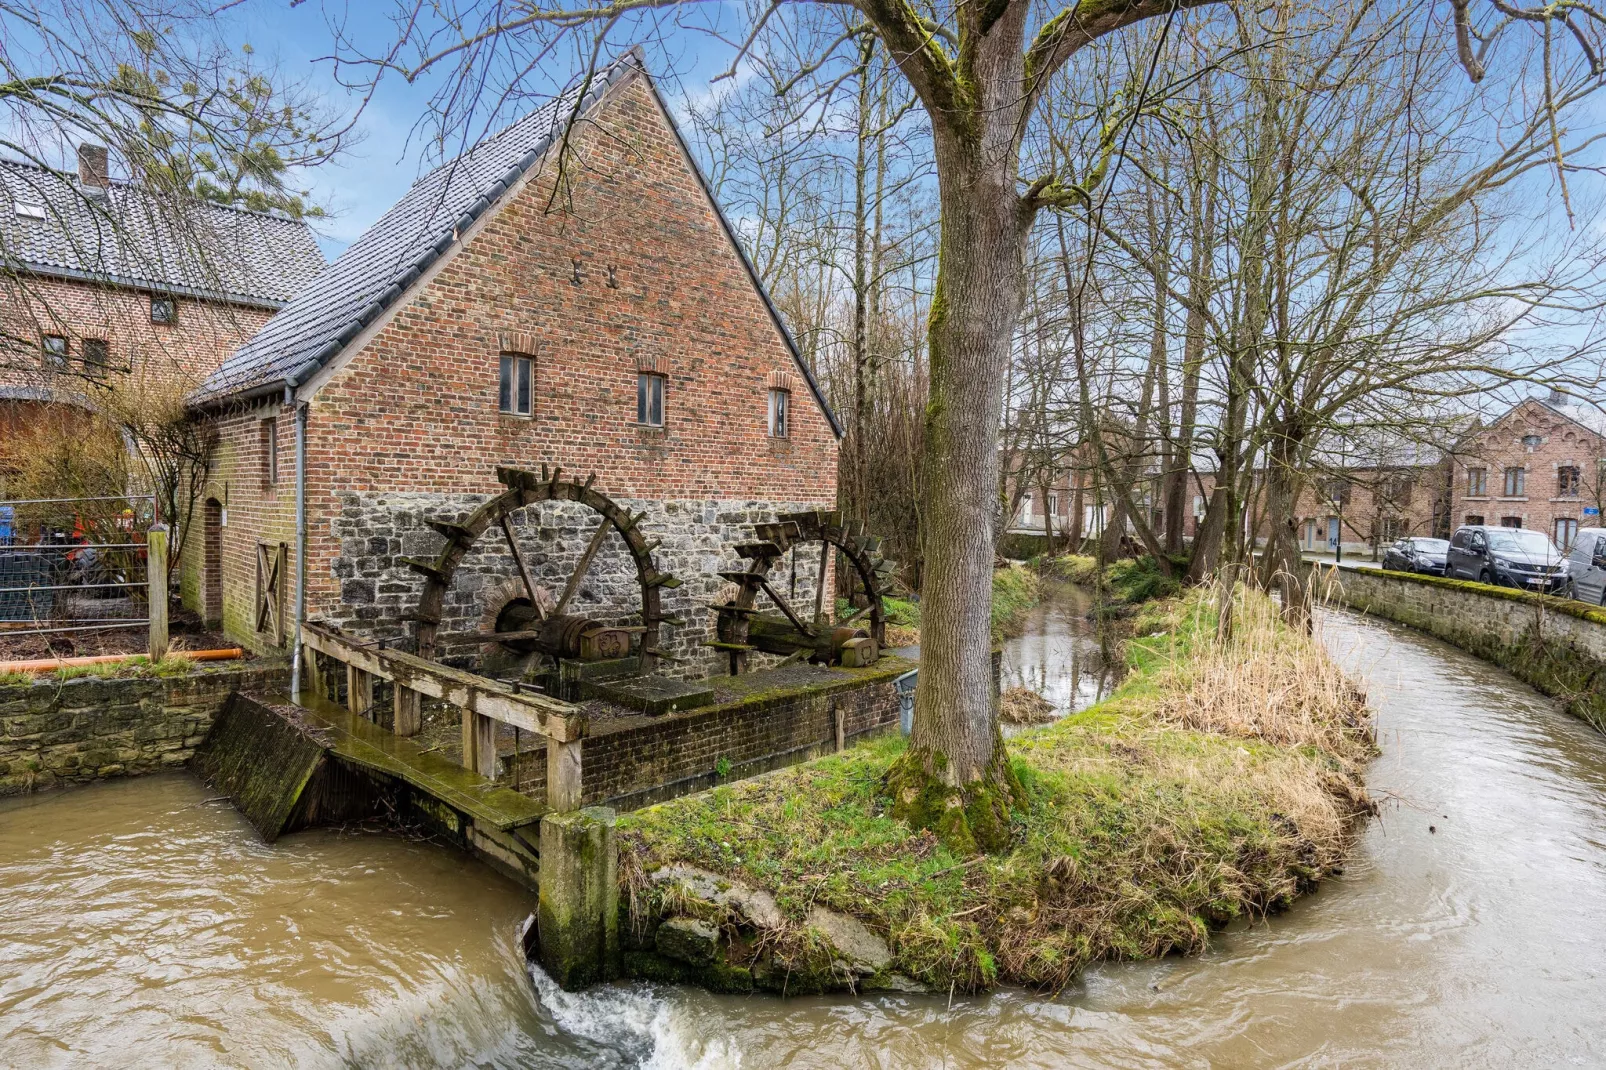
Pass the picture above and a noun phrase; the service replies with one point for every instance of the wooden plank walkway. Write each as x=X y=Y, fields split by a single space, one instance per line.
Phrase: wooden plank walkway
x=361 y=742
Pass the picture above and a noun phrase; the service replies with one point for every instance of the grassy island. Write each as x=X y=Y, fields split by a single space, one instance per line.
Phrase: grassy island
x=1220 y=781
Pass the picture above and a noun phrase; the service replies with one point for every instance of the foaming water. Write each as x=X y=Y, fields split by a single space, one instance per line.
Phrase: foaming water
x=143 y=925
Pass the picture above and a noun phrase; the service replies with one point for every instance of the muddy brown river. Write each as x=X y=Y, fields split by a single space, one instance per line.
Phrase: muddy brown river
x=143 y=925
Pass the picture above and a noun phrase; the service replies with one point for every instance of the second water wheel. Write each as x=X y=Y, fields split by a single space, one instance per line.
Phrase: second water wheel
x=805 y=631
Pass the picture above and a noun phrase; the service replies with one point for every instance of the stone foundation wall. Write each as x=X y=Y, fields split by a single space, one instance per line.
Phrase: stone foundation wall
x=637 y=761
x=698 y=539
x=56 y=732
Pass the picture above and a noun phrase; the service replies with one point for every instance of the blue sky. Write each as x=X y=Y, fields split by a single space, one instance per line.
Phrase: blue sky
x=374 y=175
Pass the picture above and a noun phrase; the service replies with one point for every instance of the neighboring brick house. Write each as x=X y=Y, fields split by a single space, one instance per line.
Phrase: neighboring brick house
x=1539 y=465
x=1365 y=505
x=102 y=281
x=600 y=316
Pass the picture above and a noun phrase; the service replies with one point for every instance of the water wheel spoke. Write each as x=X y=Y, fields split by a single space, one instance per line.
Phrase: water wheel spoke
x=584 y=566
x=524 y=573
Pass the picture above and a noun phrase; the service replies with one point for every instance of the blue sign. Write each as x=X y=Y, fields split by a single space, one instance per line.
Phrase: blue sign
x=1590 y=510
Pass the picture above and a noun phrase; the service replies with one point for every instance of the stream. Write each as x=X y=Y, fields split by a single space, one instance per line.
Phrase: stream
x=145 y=925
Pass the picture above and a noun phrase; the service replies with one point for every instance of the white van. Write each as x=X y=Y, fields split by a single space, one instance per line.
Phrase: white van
x=1586 y=566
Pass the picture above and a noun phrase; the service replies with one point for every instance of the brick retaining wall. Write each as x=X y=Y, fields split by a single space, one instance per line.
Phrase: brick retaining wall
x=636 y=761
x=55 y=732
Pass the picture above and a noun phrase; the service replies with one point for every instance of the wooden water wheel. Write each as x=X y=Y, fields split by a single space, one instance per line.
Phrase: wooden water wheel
x=546 y=626
x=743 y=627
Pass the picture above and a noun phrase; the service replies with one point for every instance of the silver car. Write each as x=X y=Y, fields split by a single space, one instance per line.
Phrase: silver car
x=1586 y=566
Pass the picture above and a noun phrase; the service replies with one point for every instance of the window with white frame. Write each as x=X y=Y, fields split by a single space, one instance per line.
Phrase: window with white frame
x=780 y=413
x=650 y=399
x=516 y=393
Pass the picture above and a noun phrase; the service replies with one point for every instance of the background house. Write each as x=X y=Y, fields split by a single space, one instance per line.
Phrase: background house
x=1538 y=465
x=102 y=281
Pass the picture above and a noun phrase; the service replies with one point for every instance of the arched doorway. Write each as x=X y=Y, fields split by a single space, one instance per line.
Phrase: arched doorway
x=212 y=564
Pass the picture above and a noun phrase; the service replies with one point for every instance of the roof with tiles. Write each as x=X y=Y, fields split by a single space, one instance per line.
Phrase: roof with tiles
x=379 y=267
x=125 y=235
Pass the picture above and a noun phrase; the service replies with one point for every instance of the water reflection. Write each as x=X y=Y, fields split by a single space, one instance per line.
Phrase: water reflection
x=1061 y=654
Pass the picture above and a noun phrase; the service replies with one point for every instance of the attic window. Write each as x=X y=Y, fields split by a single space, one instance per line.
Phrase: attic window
x=164 y=310
x=29 y=210
x=55 y=350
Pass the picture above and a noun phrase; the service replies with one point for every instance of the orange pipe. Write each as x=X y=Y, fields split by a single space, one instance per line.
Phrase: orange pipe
x=52 y=664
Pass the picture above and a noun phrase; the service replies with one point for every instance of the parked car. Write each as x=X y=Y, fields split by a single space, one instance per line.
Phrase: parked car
x=1417 y=555
x=1586 y=566
x=1509 y=557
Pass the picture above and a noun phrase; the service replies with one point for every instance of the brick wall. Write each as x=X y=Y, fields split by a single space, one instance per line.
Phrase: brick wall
x=637 y=761
x=137 y=349
x=54 y=733
x=411 y=408
x=1540 y=442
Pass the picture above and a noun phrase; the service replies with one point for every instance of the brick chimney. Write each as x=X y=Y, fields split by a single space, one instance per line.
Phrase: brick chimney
x=1556 y=396
x=94 y=170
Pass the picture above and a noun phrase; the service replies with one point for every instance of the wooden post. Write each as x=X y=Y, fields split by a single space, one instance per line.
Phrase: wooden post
x=156 y=594
x=359 y=691
x=479 y=744
x=563 y=775
x=409 y=707
x=312 y=667
x=485 y=746
x=841 y=716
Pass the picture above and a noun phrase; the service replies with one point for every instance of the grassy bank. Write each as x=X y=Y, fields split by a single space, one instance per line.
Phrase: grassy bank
x=1015 y=591
x=1215 y=783
x=1129 y=581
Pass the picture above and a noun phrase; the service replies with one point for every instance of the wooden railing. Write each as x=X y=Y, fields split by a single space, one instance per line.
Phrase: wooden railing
x=484 y=702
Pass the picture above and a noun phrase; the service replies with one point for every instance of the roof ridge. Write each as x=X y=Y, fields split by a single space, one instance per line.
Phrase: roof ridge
x=70 y=178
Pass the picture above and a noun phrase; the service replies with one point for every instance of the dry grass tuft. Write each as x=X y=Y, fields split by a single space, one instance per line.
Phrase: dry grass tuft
x=1022 y=705
x=1266 y=682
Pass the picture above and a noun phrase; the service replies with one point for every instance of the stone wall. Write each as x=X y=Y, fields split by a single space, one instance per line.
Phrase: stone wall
x=698 y=537
x=1555 y=644
x=56 y=732
x=637 y=761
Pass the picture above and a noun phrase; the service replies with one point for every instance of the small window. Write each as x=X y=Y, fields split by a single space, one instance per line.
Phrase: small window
x=1532 y=441
x=96 y=356
x=1511 y=521
x=1474 y=520
x=1477 y=482
x=1516 y=482
x=650 y=399
x=1566 y=532
x=780 y=413
x=514 y=397
x=270 y=453
x=164 y=310
x=1567 y=479
x=55 y=350
x=1053 y=505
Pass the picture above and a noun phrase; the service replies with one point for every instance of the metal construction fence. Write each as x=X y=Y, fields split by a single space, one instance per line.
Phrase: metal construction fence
x=74 y=564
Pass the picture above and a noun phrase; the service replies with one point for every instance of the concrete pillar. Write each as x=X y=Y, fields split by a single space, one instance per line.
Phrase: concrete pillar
x=578 y=908
x=156 y=592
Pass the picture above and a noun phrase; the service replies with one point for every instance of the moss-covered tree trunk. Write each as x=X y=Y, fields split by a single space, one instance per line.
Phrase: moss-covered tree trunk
x=955 y=778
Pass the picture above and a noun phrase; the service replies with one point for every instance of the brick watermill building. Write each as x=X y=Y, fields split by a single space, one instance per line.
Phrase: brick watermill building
x=535 y=492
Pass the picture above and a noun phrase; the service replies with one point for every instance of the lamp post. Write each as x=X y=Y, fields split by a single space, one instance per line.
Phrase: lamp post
x=1338 y=536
